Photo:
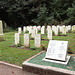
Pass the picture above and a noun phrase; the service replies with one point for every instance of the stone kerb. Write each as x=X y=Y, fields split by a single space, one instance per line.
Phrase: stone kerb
x=44 y=70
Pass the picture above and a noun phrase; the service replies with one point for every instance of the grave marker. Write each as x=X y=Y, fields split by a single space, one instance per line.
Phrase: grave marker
x=1 y=32
x=17 y=38
x=38 y=40
x=26 y=40
x=43 y=30
x=19 y=30
x=24 y=29
x=57 y=52
x=50 y=34
x=33 y=33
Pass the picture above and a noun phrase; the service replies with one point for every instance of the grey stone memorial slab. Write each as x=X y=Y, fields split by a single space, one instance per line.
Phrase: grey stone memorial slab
x=57 y=52
x=1 y=32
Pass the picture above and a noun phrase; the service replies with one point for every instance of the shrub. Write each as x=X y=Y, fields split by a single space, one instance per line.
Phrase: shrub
x=59 y=33
x=52 y=32
x=33 y=48
x=43 y=47
x=39 y=31
x=69 y=31
x=8 y=29
x=69 y=50
x=18 y=45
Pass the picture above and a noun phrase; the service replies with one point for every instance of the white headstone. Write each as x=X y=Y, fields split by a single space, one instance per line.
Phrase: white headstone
x=43 y=30
x=1 y=28
x=26 y=40
x=64 y=30
x=50 y=34
x=53 y=28
x=57 y=50
x=73 y=28
x=1 y=32
x=39 y=27
x=24 y=29
x=48 y=28
x=56 y=31
x=36 y=30
x=33 y=33
x=19 y=30
x=38 y=40
x=17 y=38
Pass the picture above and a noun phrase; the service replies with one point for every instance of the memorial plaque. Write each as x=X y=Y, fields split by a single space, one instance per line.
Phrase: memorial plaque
x=57 y=50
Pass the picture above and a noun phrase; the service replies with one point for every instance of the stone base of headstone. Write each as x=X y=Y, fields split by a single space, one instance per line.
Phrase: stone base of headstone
x=1 y=37
x=56 y=61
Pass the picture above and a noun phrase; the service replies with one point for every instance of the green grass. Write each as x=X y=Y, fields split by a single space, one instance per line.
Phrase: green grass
x=13 y=55
x=18 y=56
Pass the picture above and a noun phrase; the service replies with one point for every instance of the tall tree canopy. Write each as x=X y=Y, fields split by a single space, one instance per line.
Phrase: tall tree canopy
x=37 y=12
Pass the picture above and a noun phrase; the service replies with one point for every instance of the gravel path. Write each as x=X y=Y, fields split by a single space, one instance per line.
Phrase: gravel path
x=9 y=69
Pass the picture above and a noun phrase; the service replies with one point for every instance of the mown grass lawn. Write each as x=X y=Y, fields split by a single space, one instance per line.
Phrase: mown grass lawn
x=17 y=55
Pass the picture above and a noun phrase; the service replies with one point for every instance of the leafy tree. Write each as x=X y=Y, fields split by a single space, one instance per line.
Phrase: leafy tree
x=30 y=12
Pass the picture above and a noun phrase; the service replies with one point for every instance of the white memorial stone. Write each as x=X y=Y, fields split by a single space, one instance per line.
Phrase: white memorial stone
x=56 y=31
x=57 y=52
x=64 y=31
x=17 y=38
x=1 y=32
x=38 y=40
x=73 y=28
x=19 y=30
x=26 y=40
x=43 y=30
x=50 y=34
x=39 y=27
x=33 y=33
x=48 y=28
x=24 y=29
x=53 y=28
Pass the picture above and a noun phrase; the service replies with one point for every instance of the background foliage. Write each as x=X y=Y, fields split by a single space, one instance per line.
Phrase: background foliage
x=37 y=12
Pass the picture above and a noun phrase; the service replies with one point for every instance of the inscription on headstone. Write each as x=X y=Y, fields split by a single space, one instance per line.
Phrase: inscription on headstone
x=57 y=50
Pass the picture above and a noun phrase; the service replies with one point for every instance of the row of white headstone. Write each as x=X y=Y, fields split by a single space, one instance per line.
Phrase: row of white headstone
x=34 y=31
x=56 y=29
x=27 y=40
